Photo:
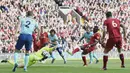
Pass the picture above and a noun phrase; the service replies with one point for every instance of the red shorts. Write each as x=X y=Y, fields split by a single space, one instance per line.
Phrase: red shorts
x=111 y=42
x=87 y=50
x=37 y=46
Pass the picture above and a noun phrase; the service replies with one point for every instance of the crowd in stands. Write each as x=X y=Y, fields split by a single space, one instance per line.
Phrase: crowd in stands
x=46 y=13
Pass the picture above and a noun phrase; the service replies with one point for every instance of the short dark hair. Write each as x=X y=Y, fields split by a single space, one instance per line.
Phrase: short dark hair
x=29 y=13
x=52 y=30
x=95 y=29
x=108 y=14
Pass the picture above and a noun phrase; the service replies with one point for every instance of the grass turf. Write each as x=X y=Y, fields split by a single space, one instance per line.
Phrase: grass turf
x=72 y=66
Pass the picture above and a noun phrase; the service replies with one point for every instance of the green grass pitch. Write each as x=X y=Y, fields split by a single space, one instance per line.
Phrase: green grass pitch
x=72 y=66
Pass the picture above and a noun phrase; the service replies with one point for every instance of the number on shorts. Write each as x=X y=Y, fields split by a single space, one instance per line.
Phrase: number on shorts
x=27 y=24
x=114 y=24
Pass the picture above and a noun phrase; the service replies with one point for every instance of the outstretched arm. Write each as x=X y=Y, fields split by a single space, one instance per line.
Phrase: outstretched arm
x=104 y=32
x=81 y=39
x=124 y=32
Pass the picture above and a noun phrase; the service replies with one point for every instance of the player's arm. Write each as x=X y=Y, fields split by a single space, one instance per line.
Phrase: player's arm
x=124 y=32
x=17 y=26
x=81 y=39
x=104 y=33
x=37 y=28
x=54 y=41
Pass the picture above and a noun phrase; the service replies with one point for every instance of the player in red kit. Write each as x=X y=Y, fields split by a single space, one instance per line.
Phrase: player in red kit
x=87 y=48
x=112 y=26
x=43 y=37
x=36 y=43
x=44 y=40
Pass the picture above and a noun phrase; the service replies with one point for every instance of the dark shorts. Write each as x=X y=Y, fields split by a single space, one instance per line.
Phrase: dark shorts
x=111 y=42
x=24 y=39
x=59 y=49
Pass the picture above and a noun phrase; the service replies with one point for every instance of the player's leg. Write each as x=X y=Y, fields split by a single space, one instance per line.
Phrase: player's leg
x=59 y=49
x=95 y=56
x=86 y=51
x=28 y=45
x=91 y=57
x=33 y=59
x=109 y=45
x=8 y=61
x=53 y=58
x=12 y=63
x=31 y=63
x=26 y=60
x=78 y=48
x=84 y=58
x=18 y=46
x=45 y=44
x=121 y=55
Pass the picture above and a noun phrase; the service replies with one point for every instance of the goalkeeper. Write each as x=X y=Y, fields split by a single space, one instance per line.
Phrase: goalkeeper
x=43 y=53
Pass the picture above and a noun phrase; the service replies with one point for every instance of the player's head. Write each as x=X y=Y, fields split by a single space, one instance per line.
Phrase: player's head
x=52 y=32
x=29 y=13
x=108 y=14
x=95 y=29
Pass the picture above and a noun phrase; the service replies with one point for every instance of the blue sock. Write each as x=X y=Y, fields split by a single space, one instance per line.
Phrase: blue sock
x=91 y=57
x=26 y=60
x=95 y=56
x=16 y=58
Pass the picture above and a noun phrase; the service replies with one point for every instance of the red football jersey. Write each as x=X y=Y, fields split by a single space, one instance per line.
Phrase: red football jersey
x=113 y=27
x=96 y=36
x=44 y=38
x=35 y=43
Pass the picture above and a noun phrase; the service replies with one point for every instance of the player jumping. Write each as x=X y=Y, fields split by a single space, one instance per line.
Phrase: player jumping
x=87 y=35
x=87 y=48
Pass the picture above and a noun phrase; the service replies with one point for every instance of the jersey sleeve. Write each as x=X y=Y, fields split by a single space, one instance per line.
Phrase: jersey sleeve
x=20 y=18
x=56 y=38
x=91 y=33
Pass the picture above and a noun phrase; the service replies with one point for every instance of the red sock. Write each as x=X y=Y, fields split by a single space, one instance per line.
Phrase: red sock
x=84 y=60
x=75 y=50
x=105 y=59
x=122 y=59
